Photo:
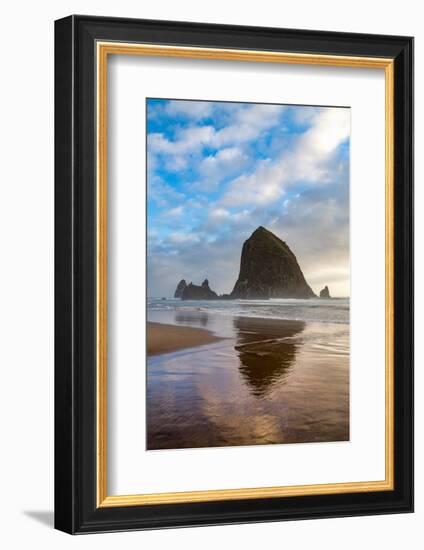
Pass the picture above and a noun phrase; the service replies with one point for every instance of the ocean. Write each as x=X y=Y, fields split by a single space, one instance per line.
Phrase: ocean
x=335 y=310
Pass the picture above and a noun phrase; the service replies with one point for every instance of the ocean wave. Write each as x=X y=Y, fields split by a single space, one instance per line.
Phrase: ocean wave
x=324 y=311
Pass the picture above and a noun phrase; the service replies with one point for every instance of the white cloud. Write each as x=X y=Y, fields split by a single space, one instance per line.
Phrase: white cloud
x=175 y=212
x=188 y=108
x=249 y=123
x=188 y=140
x=309 y=160
x=180 y=237
x=332 y=126
x=217 y=165
x=162 y=193
x=214 y=168
x=261 y=187
x=219 y=214
x=246 y=124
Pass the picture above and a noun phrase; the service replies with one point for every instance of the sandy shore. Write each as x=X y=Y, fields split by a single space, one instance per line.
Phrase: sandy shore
x=268 y=381
x=163 y=338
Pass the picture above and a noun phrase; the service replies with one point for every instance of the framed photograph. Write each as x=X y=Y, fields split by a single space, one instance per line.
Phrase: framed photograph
x=234 y=274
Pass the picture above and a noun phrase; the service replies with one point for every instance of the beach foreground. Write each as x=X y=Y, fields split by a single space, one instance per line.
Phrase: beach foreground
x=163 y=338
x=251 y=381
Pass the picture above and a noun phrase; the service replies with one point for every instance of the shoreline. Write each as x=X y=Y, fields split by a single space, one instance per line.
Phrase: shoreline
x=269 y=381
x=166 y=338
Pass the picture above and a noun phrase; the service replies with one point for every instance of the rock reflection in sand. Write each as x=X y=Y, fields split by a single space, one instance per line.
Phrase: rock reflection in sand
x=266 y=354
x=268 y=381
x=192 y=318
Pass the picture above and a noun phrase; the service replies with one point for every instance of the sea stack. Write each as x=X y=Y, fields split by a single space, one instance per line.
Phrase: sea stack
x=195 y=292
x=325 y=293
x=180 y=289
x=269 y=269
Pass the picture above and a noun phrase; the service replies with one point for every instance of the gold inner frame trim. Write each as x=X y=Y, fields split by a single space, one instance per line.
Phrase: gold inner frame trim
x=103 y=50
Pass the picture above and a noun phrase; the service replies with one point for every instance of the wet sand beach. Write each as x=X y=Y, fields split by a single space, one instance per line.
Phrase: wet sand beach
x=163 y=338
x=251 y=381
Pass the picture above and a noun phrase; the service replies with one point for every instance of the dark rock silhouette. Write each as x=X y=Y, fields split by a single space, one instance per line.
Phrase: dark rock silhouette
x=195 y=292
x=325 y=293
x=180 y=289
x=269 y=269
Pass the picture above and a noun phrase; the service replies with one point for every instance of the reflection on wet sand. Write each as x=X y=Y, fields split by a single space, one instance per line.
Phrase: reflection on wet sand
x=267 y=381
x=192 y=318
x=267 y=353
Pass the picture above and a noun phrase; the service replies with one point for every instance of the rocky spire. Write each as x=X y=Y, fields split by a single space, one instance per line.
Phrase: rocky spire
x=180 y=289
x=269 y=269
x=195 y=292
x=325 y=293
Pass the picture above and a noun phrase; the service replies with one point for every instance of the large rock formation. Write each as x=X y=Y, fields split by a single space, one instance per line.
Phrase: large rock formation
x=325 y=293
x=195 y=292
x=269 y=269
x=180 y=289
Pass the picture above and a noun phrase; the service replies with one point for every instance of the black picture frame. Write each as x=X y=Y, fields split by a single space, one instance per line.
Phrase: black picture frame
x=76 y=510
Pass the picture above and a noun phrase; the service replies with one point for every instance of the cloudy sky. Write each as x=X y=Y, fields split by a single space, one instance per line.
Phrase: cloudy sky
x=218 y=170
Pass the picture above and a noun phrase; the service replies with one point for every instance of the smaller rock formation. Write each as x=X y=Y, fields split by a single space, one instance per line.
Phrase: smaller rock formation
x=180 y=289
x=325 y=293
x=195 y=292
